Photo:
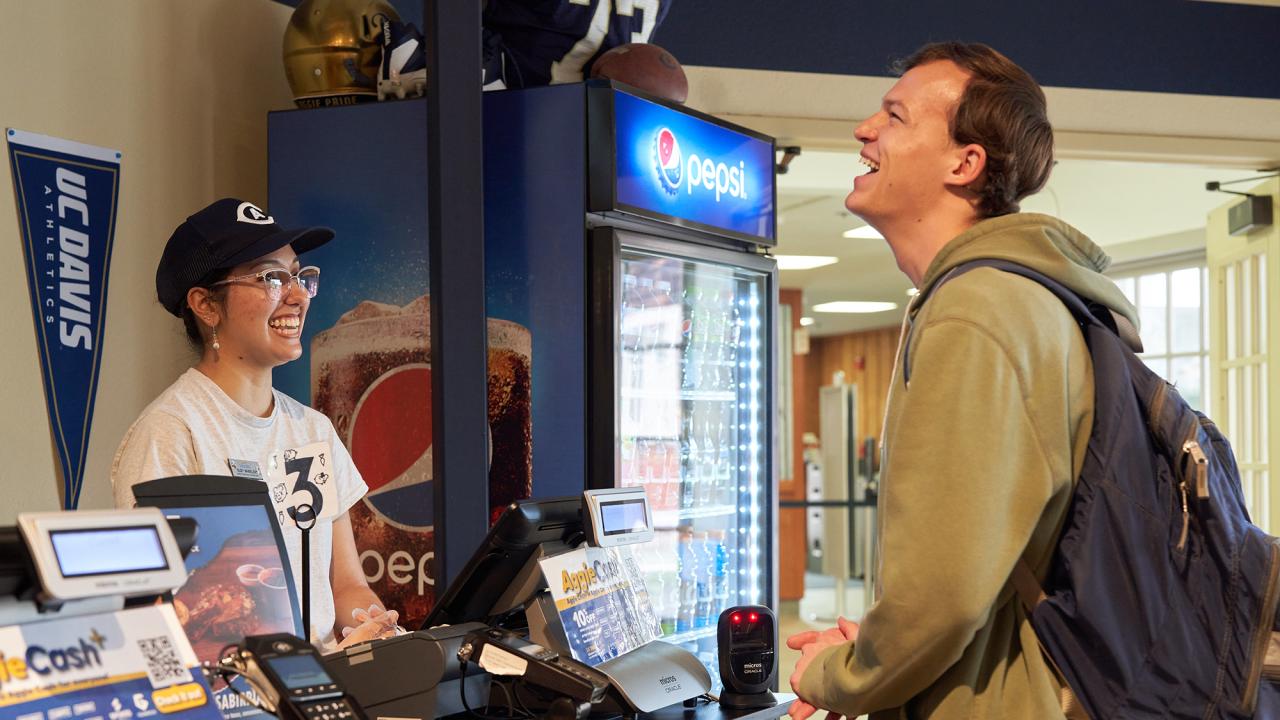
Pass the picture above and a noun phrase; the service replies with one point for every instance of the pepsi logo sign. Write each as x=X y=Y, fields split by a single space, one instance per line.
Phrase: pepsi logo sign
x=668 y=160
x=391 y=444
x=706 y=174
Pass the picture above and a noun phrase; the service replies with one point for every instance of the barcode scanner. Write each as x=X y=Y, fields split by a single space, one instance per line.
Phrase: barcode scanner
x=747 y=635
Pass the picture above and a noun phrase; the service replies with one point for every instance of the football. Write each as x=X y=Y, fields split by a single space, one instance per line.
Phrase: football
x=644 y=66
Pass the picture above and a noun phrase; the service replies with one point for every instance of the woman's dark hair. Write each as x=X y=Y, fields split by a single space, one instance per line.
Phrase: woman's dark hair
x=1002 y=109
x=189 y=321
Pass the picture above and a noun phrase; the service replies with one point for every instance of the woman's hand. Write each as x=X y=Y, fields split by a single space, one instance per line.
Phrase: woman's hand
x=371 y=624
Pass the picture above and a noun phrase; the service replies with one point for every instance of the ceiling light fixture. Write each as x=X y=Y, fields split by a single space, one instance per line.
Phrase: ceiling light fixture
x=806 y=321
x=854 y=306
x=804 y=262
x=863 y=232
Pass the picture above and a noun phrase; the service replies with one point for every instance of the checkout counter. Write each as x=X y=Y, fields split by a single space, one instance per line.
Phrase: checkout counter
x=88 y=630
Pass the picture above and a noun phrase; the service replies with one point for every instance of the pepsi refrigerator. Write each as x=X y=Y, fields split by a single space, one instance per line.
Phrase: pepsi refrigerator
x=629 y=234
x=630 y=311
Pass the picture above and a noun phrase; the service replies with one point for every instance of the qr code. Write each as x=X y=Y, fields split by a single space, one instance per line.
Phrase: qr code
x=164 y=667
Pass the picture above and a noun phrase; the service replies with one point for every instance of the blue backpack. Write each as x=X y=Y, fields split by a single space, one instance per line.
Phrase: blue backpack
x=1161 y=599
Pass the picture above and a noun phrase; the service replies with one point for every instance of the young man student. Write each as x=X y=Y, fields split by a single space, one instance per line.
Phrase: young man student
x=985 y=435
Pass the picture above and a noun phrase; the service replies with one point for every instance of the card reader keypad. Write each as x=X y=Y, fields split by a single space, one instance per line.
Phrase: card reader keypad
x=329 y=710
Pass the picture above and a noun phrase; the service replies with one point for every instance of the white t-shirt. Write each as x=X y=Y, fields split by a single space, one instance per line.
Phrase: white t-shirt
x=194 y=428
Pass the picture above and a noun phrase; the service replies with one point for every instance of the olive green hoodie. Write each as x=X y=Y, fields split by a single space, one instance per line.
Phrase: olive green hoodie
x=980 y=451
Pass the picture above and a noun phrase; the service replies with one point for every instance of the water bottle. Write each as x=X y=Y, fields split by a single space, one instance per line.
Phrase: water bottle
x=669 y=560
x=690 y=329
x=688 y=582
x=733 y=335
x=656 y=482
x=702 y=573
x=628 y=471
x=655 y=581
x=626 y=317
x=719 y=574
x=688 y=459
x=709 y=470
x=663 y=335
x=726 y=492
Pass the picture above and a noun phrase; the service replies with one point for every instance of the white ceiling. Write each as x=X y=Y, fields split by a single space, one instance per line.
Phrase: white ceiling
x=1131 y=172
x=1132 y=209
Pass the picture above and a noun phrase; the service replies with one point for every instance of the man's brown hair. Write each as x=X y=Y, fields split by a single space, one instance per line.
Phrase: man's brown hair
x=1003 y=110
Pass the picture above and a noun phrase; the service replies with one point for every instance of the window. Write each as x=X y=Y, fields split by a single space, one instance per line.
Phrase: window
x=1173 y=321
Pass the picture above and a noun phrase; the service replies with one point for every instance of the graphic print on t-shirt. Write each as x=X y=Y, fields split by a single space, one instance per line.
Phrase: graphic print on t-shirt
x=299 y=477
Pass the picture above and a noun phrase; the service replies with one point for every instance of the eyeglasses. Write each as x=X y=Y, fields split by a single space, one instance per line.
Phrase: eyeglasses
x=276 y=280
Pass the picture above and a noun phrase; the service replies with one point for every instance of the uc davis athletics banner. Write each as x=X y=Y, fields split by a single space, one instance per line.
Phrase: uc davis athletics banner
x=66 y=194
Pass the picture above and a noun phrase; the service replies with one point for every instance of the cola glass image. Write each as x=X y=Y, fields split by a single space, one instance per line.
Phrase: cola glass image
x=371 y=375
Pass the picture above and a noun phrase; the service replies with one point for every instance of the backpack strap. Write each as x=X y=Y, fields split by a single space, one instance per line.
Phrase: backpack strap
x=1085 y=313
x=1023 y=578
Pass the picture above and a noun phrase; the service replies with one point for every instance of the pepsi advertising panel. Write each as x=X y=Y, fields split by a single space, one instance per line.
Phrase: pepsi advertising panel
x=681 y=167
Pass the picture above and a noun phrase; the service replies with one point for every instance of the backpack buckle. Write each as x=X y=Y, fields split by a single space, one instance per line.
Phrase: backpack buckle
x=1192 y=448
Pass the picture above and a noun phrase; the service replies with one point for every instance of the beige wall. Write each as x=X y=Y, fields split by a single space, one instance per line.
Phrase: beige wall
x=182 y=88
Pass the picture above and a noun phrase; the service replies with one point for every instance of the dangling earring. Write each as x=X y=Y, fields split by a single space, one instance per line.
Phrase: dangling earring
x=215 y=345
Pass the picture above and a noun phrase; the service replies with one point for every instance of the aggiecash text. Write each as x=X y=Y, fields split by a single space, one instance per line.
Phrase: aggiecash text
x=67 y=254
x=43 y=661
x=581 y=582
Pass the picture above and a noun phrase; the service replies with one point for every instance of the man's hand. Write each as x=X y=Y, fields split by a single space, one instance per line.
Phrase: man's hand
x=810 y=643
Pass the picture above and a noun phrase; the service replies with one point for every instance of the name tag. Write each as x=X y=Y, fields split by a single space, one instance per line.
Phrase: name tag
x=245 y=468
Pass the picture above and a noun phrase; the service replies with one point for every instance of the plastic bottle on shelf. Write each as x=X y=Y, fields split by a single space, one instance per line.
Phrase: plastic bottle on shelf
x=708 y=460
x=686 y=564
x=671 y=493
x=625 y=317
x=663 y=333
x=733 y=330
x=688 y=459
x=726 y=438
x=627 y=462
x=657 y=482
x=629 y=330
x=642 y=312
x=719 y=574
x=689 y=326
x=667 y=552
x=703 y=574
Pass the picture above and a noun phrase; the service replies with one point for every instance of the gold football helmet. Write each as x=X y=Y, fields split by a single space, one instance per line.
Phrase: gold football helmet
x=332 y=49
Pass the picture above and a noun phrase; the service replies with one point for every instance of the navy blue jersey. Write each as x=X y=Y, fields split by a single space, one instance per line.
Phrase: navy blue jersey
x=555 y=41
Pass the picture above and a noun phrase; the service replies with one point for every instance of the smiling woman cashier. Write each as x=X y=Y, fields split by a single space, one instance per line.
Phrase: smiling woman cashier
x=232 y=274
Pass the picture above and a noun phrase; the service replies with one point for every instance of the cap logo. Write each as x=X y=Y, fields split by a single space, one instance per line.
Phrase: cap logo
x=250 y=213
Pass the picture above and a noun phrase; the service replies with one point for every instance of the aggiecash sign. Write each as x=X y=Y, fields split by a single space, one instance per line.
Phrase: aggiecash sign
x=126 y=665
x=67 y=194
x=602 y=601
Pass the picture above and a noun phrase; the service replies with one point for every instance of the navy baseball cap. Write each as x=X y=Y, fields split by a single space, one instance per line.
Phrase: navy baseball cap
x=223 y=235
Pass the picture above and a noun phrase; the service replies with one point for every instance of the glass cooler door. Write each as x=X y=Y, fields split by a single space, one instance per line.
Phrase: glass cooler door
x=693 y=397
